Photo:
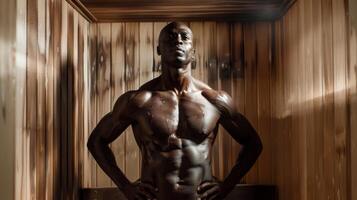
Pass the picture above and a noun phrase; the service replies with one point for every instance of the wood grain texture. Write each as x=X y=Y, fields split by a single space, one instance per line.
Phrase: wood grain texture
x=103 y=84
x=263 y=97
x=310 y=103
x=187 y=10
x=210 y=62
x=250 y=76
x=146 y=58
x=49 y=98
x=86 y=166
x=9 y=94
x=93 y=38
x=118 y=84
x=295 y=80
x=48 y=160
x=21 y=146
x=198 y=70
x=156 y=68
x=225 y=83
x=132 y=80
x=238 y=82
x=352 y=82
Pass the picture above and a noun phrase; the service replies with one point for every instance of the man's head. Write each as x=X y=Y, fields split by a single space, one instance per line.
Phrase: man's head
x=175 y=45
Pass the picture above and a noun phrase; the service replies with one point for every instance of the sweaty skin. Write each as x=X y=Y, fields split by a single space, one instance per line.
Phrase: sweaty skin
x=175 y=120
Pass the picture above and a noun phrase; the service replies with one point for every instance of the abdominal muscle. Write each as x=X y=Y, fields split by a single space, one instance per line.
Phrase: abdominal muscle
x=177 y=172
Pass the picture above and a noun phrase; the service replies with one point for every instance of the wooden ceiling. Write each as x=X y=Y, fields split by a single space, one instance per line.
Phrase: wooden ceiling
x=181 y=10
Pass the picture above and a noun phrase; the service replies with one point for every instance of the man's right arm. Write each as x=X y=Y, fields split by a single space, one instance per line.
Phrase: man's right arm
x=107 y=130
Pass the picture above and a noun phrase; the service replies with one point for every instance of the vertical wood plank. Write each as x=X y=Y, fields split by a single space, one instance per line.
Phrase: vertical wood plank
x=199 y=71
x=277 y=97
x=286 y=106
x=309 y=92
x=146 y=58
x=157 y=58
x=22 y=148
x=49 y=92
x=12 y=79
x=328 y=101
x=86 y=181
x=225 y=80
x=69 y=169
x=63 y=101
x=210 y=64
x=41 y=100
x=74 y=98
x=250 y=67
x=300 y=84
x=264 y=114
x=294 y=102
x=132 y=78
x=238 y=85
x=93 y=93
x=340 y=95
x=317 y=100
x=80 y=103
x=118 y=84
x=31 y=89
x=352 y=82
x=103 y=85
x=57 y=31
x=146 y=53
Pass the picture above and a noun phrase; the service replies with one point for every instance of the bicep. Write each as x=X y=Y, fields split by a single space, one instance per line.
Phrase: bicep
x=239 y=128
x=115 y=122
x=109 y=128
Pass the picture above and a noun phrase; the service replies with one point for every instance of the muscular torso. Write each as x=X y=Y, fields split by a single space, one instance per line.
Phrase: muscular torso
x=175 y=133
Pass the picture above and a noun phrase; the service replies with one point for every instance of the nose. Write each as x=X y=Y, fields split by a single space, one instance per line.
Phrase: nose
x=178 y=39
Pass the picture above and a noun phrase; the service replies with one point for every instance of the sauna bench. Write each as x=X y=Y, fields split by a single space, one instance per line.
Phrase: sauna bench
x=240 y=192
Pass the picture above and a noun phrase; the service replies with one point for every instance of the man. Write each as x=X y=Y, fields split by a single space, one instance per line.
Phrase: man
x=175 y=120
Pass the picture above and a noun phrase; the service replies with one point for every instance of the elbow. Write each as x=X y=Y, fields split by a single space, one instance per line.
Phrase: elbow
x=256 y=145
x=259 y=147
x=92 y=143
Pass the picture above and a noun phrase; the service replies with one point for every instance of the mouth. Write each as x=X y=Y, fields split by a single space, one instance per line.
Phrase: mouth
x=179 y=51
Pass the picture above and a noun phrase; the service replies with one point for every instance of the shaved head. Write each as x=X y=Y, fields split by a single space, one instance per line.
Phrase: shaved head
x=170 y=26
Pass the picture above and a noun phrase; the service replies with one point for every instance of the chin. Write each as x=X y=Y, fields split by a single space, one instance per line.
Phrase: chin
x=181 y=63
x=182 y=60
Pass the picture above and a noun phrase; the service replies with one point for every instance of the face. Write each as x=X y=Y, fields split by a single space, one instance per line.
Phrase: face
x=175 y=45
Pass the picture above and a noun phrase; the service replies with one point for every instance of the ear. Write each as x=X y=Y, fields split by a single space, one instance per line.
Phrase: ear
x=158 y=50
x=193 y=54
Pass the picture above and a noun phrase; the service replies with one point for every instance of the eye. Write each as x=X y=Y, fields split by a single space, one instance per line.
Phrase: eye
x=184 y=36
x=172 y=35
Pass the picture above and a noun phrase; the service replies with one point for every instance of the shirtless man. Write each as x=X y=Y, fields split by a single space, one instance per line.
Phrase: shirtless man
x=175 y=120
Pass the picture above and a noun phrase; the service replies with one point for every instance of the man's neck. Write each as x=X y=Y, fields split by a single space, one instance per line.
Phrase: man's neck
x=177 y=79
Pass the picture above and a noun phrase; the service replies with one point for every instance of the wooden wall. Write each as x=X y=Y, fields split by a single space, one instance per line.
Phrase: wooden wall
x=11 y=88
x=295 y=80
x=352 y=72
x=48 y=156
x=235 y=57
x=311 y=91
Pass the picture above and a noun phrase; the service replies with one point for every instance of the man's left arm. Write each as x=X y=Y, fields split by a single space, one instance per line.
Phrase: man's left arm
x=243 y=132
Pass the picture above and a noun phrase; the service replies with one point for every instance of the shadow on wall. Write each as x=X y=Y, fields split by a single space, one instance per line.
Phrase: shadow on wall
x=312 y=143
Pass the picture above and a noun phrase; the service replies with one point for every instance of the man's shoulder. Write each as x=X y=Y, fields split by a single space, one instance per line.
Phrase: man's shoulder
x=132 y=98
x=150 y=85
x=211 y=94
x=219 y=98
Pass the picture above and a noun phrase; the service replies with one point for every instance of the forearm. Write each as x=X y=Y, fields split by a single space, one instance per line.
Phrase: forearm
x=246 y=159
x=106 y=160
